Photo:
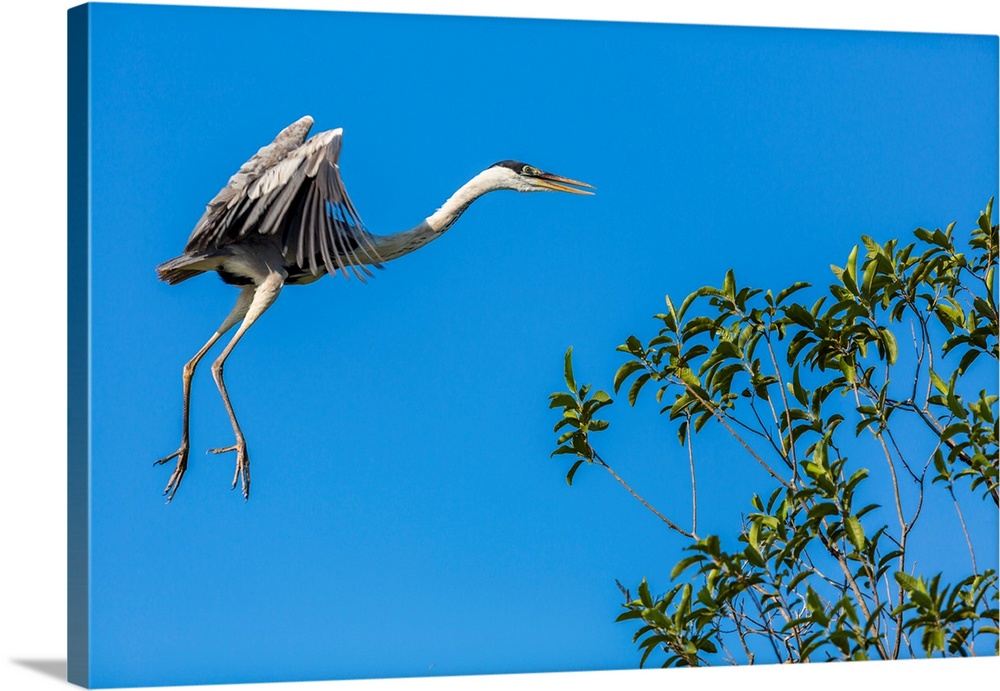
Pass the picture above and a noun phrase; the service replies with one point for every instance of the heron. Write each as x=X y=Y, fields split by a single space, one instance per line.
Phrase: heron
x=284 y=219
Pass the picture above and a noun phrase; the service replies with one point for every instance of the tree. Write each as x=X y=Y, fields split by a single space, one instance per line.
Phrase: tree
x=895 y=368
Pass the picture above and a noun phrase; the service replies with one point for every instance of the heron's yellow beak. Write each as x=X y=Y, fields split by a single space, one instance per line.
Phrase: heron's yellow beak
x=561 y=184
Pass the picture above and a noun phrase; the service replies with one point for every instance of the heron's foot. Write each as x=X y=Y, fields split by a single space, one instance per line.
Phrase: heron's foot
x=174 y=482
x=242 y=465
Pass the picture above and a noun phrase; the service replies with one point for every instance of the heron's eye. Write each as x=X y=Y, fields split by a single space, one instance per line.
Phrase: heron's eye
x=528 y=170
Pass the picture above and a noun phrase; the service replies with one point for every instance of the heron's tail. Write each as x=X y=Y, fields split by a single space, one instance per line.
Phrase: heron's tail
x=186 y=266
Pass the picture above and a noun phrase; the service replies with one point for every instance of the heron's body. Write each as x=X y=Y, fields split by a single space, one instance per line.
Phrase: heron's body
x=285 y=219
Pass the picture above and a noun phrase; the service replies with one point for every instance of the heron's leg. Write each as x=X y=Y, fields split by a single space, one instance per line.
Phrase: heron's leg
x=238 y=312
x=263 y=297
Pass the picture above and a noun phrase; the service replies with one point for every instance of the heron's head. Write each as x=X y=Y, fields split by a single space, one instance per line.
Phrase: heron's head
x=515 y=175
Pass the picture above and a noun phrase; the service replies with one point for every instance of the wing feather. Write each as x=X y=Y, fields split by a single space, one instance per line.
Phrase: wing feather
x=309 y=227
x=349 y=232
x=291 y=190
x=325 y=241
x=335 y=219
x=210 y=231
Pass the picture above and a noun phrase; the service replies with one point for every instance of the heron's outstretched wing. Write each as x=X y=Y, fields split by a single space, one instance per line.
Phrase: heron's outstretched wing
x=218 y=225
x=292 y=190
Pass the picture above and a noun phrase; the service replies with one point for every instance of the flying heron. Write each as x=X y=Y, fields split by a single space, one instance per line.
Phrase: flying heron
x=285 y=219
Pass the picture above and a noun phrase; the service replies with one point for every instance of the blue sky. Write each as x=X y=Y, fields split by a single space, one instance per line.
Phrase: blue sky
x=405 y=517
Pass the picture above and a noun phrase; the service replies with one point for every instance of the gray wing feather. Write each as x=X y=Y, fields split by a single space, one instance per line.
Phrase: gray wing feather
x=309 y=233
x=292 y=189
x=210 y=231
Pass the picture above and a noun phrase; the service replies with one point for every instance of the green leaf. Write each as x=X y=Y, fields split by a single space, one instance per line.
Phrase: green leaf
x=861 y=426
x=601 y=397
x=870 y=244
x=949 y=313
x=855 y=532
x=625 y=371
x=566 y=436
x=847 y=369
x=754 y=557
x=572 y=472
x=647 y=601
x=797 y=389
x=729 y=285
x=671 y=308
x=568 y=369
x=822 y=510
x=816 y=607
x=569 y=418
x=697 y=325
x=967 y=360
x=687 y=303
x=851 y=270
x=856 y=477
x=753 y=534
x=684 y=564
x=908 y=582
x=656 y=618
x=938 y=382
x=689 y=377
x=800 y=315
x=563 y=400
x=791 y=289
x=631 y=614
x=633 y=392
x=891 y=348
x=684 y=606
x=933 y=640
x=702 y=420
x=798 y=578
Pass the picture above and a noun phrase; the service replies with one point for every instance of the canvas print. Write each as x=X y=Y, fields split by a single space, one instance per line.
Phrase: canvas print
x=725 y=394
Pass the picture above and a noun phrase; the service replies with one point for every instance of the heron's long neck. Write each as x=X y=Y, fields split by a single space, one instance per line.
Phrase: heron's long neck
x=434 y=226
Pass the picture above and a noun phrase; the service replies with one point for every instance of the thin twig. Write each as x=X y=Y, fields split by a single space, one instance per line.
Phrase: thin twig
x=965 y=530
x=784 y=401
x=694 y=486
x=722 y=419
x=670 y=524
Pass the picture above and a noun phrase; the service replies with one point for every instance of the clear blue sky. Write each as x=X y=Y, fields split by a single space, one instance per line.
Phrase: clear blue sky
x=405 y=517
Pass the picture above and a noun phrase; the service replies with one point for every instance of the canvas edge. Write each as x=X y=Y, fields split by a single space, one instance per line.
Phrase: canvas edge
x=78 y=345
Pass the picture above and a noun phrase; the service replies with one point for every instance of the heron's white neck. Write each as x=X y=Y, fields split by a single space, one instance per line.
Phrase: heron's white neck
x=489 y=180
x=434 y=226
